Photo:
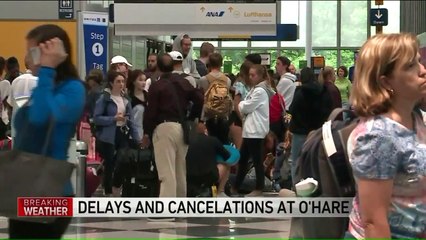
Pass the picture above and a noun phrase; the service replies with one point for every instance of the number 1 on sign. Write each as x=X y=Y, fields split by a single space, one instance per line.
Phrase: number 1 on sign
x=97 y=49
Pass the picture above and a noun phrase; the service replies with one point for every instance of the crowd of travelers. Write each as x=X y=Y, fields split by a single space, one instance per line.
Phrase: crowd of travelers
x=209 y=130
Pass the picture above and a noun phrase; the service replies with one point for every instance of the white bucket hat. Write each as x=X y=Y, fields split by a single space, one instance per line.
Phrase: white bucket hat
x=120 y=59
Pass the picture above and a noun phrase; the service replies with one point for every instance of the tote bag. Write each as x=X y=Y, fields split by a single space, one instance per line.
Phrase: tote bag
x=24 y=174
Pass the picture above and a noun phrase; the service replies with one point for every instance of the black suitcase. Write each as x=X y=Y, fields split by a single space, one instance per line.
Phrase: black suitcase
x=140 y=173
x=133 y=187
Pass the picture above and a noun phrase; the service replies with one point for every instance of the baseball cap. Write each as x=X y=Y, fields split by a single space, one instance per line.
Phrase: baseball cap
x=120 y=59
x=176 y=56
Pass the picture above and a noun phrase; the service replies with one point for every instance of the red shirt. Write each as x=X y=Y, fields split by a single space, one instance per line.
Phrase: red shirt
x=275 y=108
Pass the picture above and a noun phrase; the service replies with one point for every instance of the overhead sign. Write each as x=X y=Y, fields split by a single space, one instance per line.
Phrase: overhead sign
x=261 y=14
x=285 y=32
x=379 y=17
x=66 y=9
x=195 y=19
x=95 y=28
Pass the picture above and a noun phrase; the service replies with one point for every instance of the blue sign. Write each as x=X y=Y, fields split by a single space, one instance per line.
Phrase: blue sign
x=285 y=32
x=95 y=28
x=378 y=17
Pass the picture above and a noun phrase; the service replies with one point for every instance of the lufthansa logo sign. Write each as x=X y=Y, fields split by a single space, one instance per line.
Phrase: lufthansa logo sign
x=257 y=14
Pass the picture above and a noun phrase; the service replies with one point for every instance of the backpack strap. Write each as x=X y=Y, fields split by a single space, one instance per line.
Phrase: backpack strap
x=337 y=111
x=281 y=100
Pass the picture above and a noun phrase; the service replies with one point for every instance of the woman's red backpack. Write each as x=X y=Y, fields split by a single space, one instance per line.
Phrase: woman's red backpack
x=276 y=108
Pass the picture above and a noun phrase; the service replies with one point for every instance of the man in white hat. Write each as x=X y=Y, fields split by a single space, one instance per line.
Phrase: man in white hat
x=120 y=64
x=178 y=67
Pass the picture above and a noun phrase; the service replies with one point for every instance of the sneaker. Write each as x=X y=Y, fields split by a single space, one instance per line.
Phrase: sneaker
x=287 y=193
x=161 y=219
x=276 y=185
x=116 y=192
x=255 y=193
x=222 y=195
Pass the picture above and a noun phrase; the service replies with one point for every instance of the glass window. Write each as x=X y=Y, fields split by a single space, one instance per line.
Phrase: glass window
x=126 y=48
x=237 y=57
x=347 y=58
x=234 y=43
x=354 y=23
x=329 y=55
x=264 y=44
x=95 y=2
x=116 y=46
x=196 y=53
x=140 y=54
x=107 y=3
x=393 y=17
x=324 y=19
x=197 y=44
x=294 y=12
x=295 y=56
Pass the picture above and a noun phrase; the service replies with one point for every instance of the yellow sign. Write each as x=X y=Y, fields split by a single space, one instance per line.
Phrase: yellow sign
x=379 y=2
x=15 y=43
x=319 y=62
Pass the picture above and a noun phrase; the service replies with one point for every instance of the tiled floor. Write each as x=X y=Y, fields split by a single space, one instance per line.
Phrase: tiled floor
x=182 y=228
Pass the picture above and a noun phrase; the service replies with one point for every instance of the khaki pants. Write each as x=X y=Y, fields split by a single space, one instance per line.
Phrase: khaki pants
x=170 y=153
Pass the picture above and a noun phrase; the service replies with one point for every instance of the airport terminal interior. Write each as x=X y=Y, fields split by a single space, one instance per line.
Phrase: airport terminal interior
x=312 y=34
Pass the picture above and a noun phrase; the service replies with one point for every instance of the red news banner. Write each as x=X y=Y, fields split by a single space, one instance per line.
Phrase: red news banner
x=43 y=207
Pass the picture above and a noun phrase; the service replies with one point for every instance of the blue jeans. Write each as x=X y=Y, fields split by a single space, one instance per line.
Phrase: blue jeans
x=346 y=106
x=279 y=161
x=296 y=148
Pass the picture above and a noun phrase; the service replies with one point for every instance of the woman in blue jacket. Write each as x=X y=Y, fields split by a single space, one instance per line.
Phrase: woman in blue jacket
x=113 y=119
x=58 y=99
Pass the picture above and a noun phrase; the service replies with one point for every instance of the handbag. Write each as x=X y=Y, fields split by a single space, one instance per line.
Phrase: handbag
x=286 y=117
x=24 y=174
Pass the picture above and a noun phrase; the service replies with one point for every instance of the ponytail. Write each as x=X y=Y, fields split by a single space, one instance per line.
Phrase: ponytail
x=325 y=73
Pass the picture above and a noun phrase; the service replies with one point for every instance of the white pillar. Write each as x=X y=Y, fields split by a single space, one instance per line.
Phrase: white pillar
x=308 y=47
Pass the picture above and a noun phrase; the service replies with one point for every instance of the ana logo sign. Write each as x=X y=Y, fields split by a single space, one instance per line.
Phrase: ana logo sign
x=215 y=14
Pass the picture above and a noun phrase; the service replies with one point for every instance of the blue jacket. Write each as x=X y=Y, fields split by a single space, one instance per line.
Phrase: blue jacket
x=104 y=119
x=63 y=104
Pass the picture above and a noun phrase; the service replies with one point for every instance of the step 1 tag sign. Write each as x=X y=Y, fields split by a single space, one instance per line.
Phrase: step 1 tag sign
x=327 y=136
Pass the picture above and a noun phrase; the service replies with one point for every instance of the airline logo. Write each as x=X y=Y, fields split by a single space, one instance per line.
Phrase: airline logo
x=215 y=14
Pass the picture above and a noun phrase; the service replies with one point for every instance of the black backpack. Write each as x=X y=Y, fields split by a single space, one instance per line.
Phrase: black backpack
x=334 y=176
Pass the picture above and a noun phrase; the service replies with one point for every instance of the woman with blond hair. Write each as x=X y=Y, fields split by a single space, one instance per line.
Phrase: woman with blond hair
x=387 y=149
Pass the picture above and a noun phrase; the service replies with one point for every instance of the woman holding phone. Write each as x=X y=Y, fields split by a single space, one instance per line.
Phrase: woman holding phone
x=113 y=118
x=56 y=103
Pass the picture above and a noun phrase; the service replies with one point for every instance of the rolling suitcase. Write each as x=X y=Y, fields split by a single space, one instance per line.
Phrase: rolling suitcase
x=141 y=178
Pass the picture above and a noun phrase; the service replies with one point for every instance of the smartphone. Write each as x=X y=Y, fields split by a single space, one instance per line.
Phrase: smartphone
x=35 y=55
